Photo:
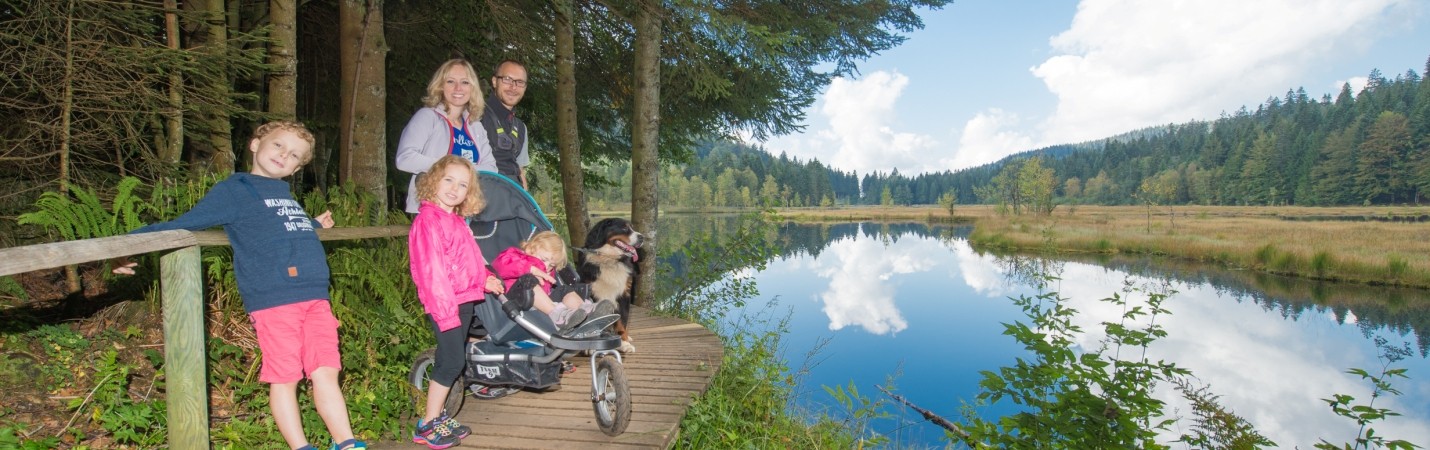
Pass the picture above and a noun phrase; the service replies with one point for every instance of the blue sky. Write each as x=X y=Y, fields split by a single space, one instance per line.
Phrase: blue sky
x=988 y=78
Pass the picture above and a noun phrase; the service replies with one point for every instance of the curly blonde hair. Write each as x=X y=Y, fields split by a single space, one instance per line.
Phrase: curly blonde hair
x=549 y=241
x=296 y=128
x=435 y=98
x=427 y=185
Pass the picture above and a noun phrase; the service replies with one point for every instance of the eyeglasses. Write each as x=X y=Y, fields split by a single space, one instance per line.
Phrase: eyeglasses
x=513 y=82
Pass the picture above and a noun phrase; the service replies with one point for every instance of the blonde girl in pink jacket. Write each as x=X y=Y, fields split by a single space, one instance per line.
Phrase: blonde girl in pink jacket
x=451 y=276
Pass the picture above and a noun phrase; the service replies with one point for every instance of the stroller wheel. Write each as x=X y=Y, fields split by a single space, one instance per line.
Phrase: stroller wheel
x=418 y=377
x=611 y=397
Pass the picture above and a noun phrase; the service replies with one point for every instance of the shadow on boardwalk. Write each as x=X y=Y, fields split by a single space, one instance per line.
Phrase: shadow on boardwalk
x=674 y=361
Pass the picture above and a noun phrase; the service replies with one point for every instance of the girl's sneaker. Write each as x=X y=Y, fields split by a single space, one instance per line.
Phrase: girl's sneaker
x=434 y=434
x=458 y=430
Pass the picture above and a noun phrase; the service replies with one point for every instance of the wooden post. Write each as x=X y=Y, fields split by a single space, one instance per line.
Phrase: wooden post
x=185 y=370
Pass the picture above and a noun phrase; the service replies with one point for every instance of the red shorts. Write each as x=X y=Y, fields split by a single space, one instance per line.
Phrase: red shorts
x=296 y=339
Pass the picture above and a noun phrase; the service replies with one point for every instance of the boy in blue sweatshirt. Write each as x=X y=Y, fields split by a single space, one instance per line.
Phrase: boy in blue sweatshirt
x=282 y=274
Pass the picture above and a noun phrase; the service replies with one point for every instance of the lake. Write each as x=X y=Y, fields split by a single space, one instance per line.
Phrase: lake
x=917 y=301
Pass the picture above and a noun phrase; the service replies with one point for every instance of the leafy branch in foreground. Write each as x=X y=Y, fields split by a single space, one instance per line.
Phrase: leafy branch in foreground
x=1214 y=425
x=1095 y=399
x=1344 y=405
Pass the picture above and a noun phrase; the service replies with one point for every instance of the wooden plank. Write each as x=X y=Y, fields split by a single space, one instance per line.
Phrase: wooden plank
x=324 y=234
x=184 y=364
x=675 y=361
x=59 y=254
x=30 y=258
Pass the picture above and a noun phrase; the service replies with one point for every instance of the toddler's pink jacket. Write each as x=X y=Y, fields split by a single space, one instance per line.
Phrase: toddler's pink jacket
x=512 y=263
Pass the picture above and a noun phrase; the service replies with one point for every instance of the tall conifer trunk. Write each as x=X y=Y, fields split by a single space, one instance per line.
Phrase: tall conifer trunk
x=568 y=139
x=174 y=144
x=645 y=139
x=283 y=81
x=363 y=140
x=220 y=129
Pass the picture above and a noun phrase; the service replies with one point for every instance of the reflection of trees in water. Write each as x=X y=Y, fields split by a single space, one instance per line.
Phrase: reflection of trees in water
x=1027 y=269
x=1375 y=308
x=789 y=239
x=812 y=239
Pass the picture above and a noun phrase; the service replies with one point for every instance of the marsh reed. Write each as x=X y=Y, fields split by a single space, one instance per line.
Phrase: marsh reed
x=1375 y=245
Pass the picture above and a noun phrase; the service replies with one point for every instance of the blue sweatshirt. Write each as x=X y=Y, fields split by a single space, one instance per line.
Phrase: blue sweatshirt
x=277 y=258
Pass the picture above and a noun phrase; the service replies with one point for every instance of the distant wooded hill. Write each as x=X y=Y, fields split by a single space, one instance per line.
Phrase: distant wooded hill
x=1370 y=148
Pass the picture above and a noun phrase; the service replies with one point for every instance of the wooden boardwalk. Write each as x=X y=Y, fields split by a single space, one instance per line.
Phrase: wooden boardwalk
x=674 y=361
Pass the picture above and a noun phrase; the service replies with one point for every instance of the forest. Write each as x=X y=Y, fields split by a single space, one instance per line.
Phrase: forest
x=1360 y=148
x=163 y=90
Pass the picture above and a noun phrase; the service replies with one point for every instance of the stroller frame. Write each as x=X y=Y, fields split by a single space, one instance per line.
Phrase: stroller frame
x=521 y=349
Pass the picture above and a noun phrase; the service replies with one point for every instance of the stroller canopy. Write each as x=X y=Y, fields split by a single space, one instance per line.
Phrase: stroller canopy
x=511 y=215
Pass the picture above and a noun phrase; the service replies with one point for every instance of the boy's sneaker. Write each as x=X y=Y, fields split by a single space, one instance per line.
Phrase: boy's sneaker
x=434 y=434
x=458 y=430
x=350 y=444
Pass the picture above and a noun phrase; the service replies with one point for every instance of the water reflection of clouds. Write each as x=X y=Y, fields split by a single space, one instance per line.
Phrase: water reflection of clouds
x=1271 y=371
x=861 y=286
x=980 y=272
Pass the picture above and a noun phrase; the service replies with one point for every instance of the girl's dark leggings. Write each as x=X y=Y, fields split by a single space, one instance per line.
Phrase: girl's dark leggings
x=451 y=348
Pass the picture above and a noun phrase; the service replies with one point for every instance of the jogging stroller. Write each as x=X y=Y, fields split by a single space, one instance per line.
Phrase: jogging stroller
x=522 y=349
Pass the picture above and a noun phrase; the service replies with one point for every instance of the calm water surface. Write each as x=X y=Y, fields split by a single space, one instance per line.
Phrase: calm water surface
x=880 y=300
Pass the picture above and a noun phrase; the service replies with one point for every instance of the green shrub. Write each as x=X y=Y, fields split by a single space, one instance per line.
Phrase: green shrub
x=1396 y=267
x=1321 y=263
x=1264 y=255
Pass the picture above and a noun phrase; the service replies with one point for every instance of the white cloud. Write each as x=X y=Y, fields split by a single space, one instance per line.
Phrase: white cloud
x=861 y=129
x=1128 y=64
x=988 y=137
x=1357 y=83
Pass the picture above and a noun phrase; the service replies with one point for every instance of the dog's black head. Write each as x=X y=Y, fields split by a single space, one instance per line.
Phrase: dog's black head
x=617 y=233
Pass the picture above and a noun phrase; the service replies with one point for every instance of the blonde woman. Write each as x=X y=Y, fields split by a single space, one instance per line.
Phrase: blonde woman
x=444 y=126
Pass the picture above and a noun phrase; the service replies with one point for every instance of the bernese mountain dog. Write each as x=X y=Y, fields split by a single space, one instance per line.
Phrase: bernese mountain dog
x=607 y=262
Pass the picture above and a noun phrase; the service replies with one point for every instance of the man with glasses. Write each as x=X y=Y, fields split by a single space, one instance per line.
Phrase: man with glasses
x=506 y=132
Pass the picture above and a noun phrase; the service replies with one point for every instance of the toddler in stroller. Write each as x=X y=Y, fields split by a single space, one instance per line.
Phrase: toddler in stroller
x=520 y=348
x=529 y=272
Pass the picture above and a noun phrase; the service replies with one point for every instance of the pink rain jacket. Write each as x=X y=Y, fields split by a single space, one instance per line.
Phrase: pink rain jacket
x=512 y=263
x=447 y=266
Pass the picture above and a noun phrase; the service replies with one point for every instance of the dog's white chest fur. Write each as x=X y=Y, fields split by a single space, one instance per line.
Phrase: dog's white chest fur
x=613 y=280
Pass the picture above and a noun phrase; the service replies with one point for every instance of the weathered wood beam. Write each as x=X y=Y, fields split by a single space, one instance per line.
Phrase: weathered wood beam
x=59 y=254
x=182 y=291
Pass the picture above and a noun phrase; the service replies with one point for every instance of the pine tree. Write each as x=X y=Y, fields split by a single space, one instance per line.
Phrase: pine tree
x=1380 y=175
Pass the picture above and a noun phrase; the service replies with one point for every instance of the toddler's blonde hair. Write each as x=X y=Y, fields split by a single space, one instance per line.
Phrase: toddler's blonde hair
x=549 y=241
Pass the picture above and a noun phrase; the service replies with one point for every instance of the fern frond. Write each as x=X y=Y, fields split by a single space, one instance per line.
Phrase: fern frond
x=126 y=207
x=89 y=213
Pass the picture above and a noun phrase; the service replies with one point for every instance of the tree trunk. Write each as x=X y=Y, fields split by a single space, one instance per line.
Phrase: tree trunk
x=363 y=51
x=568 y=139
x=283 y=80
x=645 y=139
x=220 y=128
x=173 y=146
x=66 y=111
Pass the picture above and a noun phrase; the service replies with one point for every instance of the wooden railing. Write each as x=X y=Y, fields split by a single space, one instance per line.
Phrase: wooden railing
x=181 y=290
